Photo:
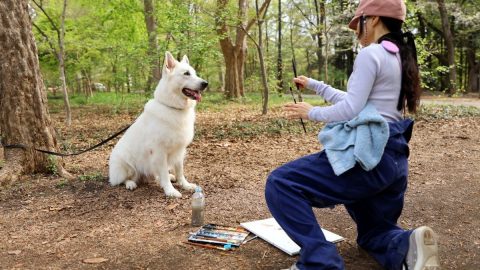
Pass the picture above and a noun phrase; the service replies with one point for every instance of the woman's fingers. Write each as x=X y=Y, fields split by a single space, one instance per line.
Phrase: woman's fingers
x=297 y=110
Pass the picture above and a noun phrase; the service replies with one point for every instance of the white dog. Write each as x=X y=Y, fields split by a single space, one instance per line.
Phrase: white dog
x=157 y=141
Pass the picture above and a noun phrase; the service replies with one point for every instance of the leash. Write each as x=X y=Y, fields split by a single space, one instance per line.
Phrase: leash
x=22 y=146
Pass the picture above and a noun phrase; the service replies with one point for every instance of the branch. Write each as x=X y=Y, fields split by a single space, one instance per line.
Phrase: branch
x=250 y=36
x=304 y=15
x=432 y=26
x=50 y=44
x=262 y=11
x=48 y=17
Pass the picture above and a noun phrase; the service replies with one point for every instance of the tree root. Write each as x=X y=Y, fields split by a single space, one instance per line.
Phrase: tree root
x=10 y=173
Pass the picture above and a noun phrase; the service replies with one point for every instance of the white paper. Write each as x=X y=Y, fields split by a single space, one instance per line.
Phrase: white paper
x=269 y=230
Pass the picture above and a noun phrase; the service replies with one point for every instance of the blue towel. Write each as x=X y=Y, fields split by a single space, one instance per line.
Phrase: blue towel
x=361 y=140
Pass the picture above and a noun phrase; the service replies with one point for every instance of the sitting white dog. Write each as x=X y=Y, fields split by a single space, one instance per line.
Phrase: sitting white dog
x=157 y=141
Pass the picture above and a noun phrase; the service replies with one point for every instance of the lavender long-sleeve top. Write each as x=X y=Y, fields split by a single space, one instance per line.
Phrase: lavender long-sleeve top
x=376 y=78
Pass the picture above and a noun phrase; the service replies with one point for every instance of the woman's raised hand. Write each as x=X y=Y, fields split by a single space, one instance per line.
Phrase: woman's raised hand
x=301 y=81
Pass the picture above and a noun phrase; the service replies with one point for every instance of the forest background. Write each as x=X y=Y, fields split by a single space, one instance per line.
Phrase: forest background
x=239 y=46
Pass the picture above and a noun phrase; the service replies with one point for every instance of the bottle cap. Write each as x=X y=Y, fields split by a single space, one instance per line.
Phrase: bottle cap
x=198 y=189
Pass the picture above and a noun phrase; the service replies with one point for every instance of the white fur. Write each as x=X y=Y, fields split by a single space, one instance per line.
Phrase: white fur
x=157 y=141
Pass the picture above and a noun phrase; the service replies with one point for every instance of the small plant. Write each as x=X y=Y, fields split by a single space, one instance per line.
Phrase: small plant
x=52 y=166
x=96 y=176
x=62 y=183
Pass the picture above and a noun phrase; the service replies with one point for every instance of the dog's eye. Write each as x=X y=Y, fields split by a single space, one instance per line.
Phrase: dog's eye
x=187 y=73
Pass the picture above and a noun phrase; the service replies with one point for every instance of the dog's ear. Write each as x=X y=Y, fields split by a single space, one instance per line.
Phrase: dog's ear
x=170 y=62
x=185 y=59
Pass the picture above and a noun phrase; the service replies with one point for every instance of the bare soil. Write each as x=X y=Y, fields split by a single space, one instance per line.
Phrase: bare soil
x=47 y=222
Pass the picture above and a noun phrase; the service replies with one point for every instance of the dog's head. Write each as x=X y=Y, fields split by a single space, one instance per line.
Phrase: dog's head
x=180 y=84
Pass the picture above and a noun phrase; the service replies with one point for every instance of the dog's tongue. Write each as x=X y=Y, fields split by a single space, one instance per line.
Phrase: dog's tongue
x=198 y=96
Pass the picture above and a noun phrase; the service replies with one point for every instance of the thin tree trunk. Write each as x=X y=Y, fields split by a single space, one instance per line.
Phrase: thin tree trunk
x=150 y=21
x=61 y=61
x=450 y=47
x=59 y=54
x=279 y=49
x=24 y=118
x=473 y=75
x=320 y=17
x=262 y=62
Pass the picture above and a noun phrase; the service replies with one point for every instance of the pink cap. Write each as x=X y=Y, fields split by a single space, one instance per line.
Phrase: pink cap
x=386 y=8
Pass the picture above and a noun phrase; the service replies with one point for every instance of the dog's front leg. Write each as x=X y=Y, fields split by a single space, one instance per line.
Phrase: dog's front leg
x=181 y=180
x=163 y=178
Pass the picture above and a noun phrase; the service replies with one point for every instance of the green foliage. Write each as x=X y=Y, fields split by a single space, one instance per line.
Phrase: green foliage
x=52 y=166
x=116 y=102
x=62 y=183
x=244 y=129
x=93 y=177
x=106 y=41
x=435 y=111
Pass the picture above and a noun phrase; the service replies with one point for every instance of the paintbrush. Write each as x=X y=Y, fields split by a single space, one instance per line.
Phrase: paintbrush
x=208 y=246
x=294 y=65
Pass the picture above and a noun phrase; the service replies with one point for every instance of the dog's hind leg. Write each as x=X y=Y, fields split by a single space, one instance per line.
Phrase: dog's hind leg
x=121 y=172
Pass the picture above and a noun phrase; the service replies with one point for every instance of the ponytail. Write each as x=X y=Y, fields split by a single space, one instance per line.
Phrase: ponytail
x=410 y=90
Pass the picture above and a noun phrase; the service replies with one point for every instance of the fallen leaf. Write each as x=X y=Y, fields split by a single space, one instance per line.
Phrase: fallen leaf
x=14 y=252
x=172 y=206
x=95 y=260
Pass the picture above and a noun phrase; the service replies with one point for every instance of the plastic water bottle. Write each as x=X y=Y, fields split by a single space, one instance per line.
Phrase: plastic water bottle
x=198 y=207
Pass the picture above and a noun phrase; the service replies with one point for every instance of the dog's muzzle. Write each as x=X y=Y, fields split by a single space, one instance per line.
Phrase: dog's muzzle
x=195 y=94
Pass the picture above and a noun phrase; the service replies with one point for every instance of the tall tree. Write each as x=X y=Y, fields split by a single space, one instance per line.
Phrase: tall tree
x=59 y=53
x=263 y=70
x=150 y=21
x=447 y=35
x=279 y=48
x=234 y=50
x=24 y=118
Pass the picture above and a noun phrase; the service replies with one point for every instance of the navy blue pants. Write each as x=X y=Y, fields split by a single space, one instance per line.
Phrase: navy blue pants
x=374 y=200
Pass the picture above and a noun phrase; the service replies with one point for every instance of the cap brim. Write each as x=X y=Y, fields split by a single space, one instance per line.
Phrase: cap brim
x=353 y=23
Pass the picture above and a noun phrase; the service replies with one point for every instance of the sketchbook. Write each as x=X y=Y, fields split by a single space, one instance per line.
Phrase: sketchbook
x=219 y=235
x=270 y=231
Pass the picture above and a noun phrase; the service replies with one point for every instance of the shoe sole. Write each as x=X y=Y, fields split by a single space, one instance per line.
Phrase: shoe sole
x=425 y=249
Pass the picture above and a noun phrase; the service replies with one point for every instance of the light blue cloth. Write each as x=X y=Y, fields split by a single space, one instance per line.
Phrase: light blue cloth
x=361 y=140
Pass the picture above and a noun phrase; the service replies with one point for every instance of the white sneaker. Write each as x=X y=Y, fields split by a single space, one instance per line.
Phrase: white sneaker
x=423 y=250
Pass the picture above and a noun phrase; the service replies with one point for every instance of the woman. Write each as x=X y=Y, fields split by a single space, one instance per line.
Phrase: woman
x=385 y=75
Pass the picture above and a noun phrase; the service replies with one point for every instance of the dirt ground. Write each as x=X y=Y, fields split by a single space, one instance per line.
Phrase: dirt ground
x=47 y=222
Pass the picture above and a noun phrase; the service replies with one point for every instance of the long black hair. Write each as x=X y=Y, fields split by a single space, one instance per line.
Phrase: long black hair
x=410 y=91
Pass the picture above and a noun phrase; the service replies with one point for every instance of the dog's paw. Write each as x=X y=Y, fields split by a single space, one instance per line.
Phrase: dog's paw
x=188 y=186
x=130 y=185
x=173 y=193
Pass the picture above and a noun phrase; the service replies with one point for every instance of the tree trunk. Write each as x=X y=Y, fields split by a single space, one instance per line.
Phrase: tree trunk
x=24 y=117
x=473 y=75
x=450 y=47
x=150 y=21
x=320 y=18
x=234 y=52
x=261 y=60
x=61 y=63
x=279 y=50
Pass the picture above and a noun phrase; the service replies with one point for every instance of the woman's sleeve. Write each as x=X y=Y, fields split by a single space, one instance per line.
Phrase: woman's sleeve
x=329 y=93
x=359 y=86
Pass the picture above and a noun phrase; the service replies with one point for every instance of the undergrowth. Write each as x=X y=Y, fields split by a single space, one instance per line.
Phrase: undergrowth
x=112 y=103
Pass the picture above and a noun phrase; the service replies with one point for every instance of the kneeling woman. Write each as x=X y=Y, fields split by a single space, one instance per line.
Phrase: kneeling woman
x=364 y=164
